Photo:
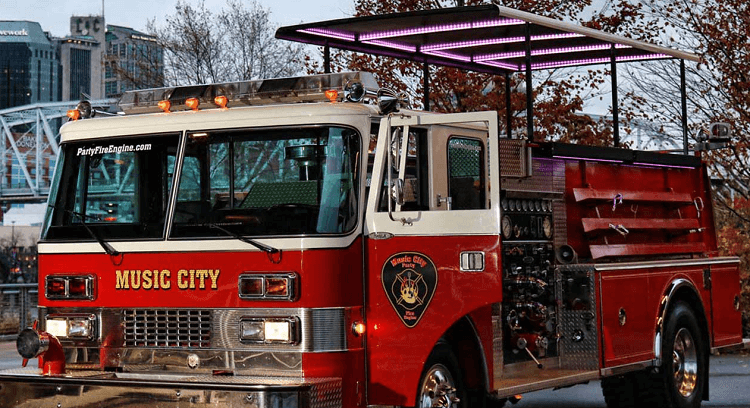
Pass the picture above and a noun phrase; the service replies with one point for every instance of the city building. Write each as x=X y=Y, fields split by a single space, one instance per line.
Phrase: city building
x=134 y=60
x=28 y=65
x=81 y=58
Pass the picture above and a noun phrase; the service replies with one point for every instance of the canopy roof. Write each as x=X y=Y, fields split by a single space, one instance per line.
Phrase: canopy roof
x=486 y=38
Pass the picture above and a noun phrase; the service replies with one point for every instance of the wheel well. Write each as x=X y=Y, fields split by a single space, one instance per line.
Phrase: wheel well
x=464 y=341
x=688 y=295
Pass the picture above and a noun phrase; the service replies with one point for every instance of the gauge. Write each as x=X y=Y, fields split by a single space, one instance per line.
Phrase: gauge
x=516 y=231
x=538 y=205
x=504 y=204
x=513 y=205
x=507 y=227
x=547 y=227
x=525 y=204
x=544 y=205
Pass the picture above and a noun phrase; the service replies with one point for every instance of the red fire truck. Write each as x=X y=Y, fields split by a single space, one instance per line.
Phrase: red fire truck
x=312 y=242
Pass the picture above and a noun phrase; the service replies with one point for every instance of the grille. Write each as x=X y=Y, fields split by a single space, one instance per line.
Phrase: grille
x=167 y=328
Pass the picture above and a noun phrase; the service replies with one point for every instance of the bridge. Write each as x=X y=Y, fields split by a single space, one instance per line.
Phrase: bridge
x=30 y=148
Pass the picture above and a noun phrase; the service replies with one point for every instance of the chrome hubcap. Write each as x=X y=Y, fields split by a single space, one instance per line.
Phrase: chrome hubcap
x=438 y=389
x=684 y=363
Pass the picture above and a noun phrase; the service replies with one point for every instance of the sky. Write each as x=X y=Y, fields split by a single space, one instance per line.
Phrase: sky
x=54 y=15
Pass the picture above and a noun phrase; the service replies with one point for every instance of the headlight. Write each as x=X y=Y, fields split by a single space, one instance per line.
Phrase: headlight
x=269 y=330
x=75 y=327
x=69 y=287
x=269 y=286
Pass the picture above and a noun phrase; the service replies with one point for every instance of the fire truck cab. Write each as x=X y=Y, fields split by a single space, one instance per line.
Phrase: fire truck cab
x=312 y=242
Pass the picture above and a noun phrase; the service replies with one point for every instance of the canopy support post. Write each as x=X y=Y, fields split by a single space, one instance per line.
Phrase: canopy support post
x=529 y=88
x=683 y=101
x=508 y=113
x=426 y=81
x=615 y=108
x=327 y=59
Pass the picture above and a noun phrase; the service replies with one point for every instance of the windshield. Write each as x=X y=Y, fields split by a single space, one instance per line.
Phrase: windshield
x=268 y=182
x=119 y=189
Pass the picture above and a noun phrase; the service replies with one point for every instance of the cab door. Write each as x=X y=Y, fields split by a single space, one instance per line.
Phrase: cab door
x=432 y=242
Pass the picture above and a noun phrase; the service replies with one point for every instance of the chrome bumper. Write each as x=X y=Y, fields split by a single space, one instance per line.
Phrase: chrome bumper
x=26 y=388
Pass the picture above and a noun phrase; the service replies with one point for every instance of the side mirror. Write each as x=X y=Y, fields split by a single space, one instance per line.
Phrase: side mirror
x=718 y=136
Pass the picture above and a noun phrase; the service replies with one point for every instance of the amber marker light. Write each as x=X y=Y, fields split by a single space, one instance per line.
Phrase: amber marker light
x=164 y=105
x=332 y=95
x=74 y=114
x=192 y=103
x=358 y=328
x=221 y=101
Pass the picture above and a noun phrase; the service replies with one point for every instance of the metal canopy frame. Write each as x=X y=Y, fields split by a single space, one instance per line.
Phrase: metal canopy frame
x=490 y=39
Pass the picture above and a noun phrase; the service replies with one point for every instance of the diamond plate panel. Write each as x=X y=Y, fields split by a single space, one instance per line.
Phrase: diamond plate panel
x=579 y=345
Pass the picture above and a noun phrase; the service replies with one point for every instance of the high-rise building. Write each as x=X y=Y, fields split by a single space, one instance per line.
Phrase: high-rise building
x=28 y=65
x=81 y=58
x=134 y=60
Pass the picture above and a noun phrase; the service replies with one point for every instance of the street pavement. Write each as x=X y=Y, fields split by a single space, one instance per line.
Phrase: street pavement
x=729 y=387
x=729 y=384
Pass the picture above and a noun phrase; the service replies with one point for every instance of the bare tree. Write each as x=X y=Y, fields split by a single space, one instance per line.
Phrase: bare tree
x=237 y=43
x=250 y=39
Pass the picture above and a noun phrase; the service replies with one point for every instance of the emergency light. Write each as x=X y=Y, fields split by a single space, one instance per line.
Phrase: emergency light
x=352 y=86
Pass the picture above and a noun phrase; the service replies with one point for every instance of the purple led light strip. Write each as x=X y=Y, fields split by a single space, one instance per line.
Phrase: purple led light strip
x=499 y=64
x=325 y=32
x=393 y=44
x=439 y=28
x=662 y=165
x=588 y=159
x=495 y=41
x=558 y=64
x=548 y=51
x=450 y=55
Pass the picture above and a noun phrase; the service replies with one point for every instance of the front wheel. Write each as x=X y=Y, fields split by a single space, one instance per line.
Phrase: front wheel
x=441 y=384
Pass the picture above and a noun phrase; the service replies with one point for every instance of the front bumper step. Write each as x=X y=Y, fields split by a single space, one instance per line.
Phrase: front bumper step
x=26 y=388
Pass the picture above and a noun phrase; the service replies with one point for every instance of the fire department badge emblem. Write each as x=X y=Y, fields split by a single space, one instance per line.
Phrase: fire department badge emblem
x=409 y=280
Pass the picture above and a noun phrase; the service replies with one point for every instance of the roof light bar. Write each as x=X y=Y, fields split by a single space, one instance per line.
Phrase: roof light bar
x=259 y=92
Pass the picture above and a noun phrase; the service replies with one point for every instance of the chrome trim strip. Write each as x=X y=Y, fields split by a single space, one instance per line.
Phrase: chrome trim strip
x=626 y=368
x=666 y=264
x=540 y=383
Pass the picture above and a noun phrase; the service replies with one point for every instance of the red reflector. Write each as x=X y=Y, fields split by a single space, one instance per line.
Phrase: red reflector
x=111 y=219
x=251 y=286
x=77 y=287
x=56 y=286
x=277 y=287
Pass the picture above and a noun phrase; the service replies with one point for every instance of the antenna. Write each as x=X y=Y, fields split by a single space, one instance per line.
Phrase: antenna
x=102 y=8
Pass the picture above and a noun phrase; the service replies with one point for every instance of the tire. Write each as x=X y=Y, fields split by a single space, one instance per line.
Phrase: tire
x=681 y=377
x=441 y=384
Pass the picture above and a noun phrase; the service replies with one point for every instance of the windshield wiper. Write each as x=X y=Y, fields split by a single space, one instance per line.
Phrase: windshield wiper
x=109 y=249
x=263 y=247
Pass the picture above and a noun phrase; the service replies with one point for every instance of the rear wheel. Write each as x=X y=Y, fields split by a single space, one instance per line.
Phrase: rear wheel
x=441 y=384
x=681 y=377
x=678 y=382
